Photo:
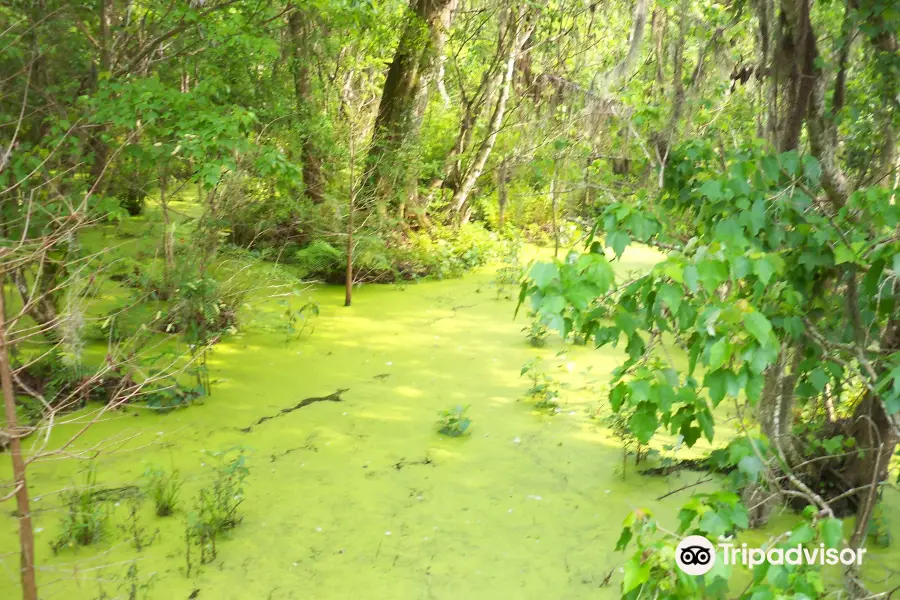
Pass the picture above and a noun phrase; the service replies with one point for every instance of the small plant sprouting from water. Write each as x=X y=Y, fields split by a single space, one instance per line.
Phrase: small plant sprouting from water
x=510 y=274
x=454 y=422
x=85 y=519
x=133 y=528
x=544 y=390
x=217 y=507
x=163 y=490
x=617 y=423
x=297 y=321
x=537 y=332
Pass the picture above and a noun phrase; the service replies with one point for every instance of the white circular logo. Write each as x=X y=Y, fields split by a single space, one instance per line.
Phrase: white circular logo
x=695 y=555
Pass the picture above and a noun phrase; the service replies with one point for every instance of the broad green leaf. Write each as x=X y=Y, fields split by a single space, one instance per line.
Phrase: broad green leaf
x=714 y=523
x=718 y=354
x=758 y=325
x=643 y=422
x=712 y=190
x=713 y=273
x=801 y=534
x=636 y=573
x=832 y=531
x=691 y=278
x=843 y=254
x=764 y=268
x=543 y=273
x=757 y=217
x=715 y=382
x=618 y=241
x=751 y=466
x=671 y=296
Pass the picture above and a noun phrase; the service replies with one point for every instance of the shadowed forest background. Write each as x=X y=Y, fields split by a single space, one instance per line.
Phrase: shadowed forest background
x=447 y=298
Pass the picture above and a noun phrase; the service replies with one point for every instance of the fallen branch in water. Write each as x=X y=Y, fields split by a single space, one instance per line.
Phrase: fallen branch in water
x=335 y=397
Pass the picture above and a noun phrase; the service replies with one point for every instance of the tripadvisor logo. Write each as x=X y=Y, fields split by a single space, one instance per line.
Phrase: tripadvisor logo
x=696 y=555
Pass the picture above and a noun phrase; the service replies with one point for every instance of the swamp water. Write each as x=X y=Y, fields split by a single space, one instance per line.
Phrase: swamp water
x=362 y=498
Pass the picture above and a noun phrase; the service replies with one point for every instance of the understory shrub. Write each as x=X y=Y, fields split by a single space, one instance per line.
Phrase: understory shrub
x=85 y=518
x=442 y=252
x=217 y=505
x=454 y=422
x=162 y=488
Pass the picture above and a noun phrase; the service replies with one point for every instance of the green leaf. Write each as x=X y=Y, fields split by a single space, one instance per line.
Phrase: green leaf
x=704 y=418
x=843 y=254
x=801 y=534
x=553 y=304
x=543 y=273
x=714 y=523
x=636 y=573
x=712 y=190
x=671 y=296
x=757 y=216
x=764 y=268
x=758 y=325
x=718 y=354
x=819 y=379
x=624 y=538
x=712 y=274
x=832 y=531
x=716 y=381
x=691 y=278
x=618 y=241
x=751 y=466
x=643 y=422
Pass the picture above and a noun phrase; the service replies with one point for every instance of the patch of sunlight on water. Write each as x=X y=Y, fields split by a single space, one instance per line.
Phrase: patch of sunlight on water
x=362 y=499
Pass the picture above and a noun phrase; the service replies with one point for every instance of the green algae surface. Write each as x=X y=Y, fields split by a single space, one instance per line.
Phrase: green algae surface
x=362 y=498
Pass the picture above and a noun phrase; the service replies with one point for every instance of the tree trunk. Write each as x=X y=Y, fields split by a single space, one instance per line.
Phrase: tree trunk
x=96 y=143
x=40 y=303
x=348 y=275
x=301 y=32
x=397 y=122
x=606 y=80
x=518 y=38
x=168 y=240
x=26 y=533
x=876 y=434
x=554 y=206
x=501 y=194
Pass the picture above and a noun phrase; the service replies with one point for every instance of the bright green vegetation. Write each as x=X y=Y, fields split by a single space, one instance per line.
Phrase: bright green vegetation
x=523 y=501
x=448 y=298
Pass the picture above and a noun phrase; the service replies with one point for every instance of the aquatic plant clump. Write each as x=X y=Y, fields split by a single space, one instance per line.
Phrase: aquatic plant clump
x=454 y=422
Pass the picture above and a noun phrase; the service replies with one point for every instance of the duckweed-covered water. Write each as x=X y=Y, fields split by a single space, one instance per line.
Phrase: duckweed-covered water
x=362 y=498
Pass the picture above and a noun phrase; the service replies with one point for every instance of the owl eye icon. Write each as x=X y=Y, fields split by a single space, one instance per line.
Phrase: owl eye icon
x=695 y=555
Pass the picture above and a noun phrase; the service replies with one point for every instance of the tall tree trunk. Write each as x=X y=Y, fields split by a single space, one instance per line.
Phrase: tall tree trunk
x=519 y=30
x=554 y=206
x=402 y=99
x=300 y=27
x=501 y=194
x=97 y=144
x=168 y=238
x=606 y=80
x=26 y=533
x=876 y=435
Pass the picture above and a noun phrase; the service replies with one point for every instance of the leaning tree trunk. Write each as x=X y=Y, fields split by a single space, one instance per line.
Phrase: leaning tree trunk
x=23 y=511
x=301 y=32
x=520 y=30
x=398 y=120
x=877 y=436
